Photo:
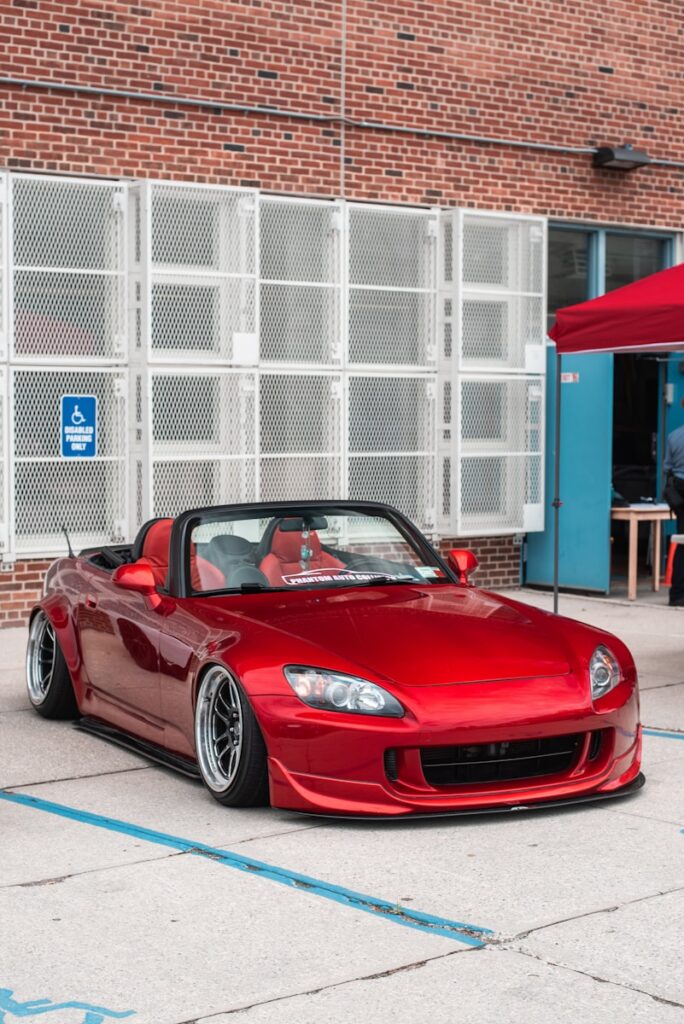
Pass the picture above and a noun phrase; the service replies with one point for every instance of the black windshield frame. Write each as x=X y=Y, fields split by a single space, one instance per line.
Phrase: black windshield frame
x=179 y=579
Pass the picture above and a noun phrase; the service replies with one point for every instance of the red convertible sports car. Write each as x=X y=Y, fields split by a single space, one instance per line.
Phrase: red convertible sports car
x=323 y=655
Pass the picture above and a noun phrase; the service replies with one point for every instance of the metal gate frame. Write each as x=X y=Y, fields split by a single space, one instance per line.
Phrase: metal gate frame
x=423 y=289
x=113 y=363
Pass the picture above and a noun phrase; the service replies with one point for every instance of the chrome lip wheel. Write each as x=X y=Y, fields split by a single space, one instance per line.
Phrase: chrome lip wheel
x=40 y=658
x=218 y=729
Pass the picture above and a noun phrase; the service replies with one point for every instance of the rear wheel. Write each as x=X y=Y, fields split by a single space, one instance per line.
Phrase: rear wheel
x=230 y=749
x=47 y=677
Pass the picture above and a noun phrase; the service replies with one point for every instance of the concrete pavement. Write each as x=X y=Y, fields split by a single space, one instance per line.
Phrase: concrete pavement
x=143 y=903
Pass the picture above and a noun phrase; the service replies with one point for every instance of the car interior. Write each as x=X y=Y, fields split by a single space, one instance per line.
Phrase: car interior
x=227 y=561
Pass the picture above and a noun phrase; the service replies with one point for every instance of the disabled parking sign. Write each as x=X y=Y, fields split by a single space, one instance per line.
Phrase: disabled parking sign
x=79 y=426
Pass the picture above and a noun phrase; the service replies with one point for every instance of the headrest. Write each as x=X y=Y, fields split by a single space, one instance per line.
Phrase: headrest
x=229 y=546
x=287 y=546
x=157 y=542
x=138 y=543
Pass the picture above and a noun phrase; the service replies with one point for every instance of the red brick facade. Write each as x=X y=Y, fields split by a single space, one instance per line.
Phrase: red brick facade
x=541 y=71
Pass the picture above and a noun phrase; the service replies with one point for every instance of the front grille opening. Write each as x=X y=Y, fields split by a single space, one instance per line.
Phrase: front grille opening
x=595 y=744
x=499 y=762
x=391 y=770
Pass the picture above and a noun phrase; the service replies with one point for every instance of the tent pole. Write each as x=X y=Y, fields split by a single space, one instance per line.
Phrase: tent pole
x=556 y=486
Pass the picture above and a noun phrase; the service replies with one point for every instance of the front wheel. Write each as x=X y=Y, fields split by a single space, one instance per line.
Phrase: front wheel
x=47 y=677
x=230 y=749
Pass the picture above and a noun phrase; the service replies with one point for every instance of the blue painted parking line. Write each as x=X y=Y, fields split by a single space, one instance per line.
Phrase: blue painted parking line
x=663 y=734
x=38 y=1007
x=470 y=934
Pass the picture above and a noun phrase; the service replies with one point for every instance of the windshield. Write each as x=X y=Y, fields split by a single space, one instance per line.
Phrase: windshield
x=323 y=547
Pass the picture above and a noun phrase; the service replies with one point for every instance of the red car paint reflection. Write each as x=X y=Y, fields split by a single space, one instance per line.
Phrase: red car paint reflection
x=496 y=695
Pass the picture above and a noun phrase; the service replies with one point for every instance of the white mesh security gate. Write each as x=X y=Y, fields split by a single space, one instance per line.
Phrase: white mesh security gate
x=67 y=336
x=244 y=346
x=203 y=429
x=492 y=361
x=4 y=383
x=342 y=386
x=4 y=468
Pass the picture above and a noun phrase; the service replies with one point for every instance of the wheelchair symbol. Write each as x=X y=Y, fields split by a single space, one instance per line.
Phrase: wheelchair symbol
x=77 y=417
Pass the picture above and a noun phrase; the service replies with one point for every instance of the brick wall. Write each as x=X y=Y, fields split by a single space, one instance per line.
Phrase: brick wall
x=541 y=70
x=499 y=559
x=20 y=589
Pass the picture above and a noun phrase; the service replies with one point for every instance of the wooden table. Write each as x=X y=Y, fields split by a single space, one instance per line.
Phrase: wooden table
x=643 y=512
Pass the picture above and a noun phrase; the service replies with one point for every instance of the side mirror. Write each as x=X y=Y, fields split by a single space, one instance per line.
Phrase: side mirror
x=138 y=576
x=464 y=563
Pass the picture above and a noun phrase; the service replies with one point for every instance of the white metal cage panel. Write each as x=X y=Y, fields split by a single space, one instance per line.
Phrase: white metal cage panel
x=295 y=478
x=68 y=283
x=300 y=270
x=3 y=266
x=300 y=323
x=391 y=327
x=391 y=247
x=202 y=229
x=300 y=435
x=500 y=466
x=202 y=439
x=198 y=483
x=500 y=287
x=87 y=496
x=4 y=467
x=447 y=369
x=198 y=255
x=299 y=240
x=391 y=275
x=200 y=317
x=391 y=428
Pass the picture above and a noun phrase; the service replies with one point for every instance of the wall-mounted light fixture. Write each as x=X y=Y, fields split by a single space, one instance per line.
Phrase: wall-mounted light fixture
x=620 y=158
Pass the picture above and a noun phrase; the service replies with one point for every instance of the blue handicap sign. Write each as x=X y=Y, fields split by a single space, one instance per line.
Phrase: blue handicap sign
x=79 y=426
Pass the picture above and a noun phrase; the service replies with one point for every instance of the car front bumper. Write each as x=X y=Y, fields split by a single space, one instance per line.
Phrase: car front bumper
x=335 y=764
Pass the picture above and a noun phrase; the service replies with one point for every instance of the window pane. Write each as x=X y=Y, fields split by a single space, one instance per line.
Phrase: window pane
x=630 y=257
x=568 y=269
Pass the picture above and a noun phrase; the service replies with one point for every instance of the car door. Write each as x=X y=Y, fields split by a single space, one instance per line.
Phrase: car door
x=119 y=634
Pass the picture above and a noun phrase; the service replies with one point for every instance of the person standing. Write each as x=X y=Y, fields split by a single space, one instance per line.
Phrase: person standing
x=674 y=463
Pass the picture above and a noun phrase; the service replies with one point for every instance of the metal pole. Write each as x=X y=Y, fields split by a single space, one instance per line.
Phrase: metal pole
x=556 y=503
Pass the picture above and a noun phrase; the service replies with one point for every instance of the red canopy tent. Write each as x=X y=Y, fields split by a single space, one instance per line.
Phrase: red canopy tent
x=646 y=316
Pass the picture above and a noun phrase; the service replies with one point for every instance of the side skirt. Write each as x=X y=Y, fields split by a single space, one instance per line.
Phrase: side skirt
x=148 y=750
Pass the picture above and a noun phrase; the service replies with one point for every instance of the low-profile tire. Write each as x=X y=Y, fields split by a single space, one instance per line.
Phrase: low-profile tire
x=231 y=753
x=48 y=682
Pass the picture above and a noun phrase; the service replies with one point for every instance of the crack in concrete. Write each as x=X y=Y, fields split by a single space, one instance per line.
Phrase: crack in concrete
x=274 y=835
x=596 y=977
x=88 y=871
x=500 y=942
x=660 y=686
x=14 y=787
x=412 y=966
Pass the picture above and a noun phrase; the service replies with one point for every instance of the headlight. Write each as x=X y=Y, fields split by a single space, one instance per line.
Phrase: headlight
x=604 y=672
x=333 y=691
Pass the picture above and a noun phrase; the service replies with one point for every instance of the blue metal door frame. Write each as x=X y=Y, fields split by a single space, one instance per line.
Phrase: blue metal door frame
x=587 y=447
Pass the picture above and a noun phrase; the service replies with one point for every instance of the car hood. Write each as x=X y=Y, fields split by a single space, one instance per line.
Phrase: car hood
x=413 y=635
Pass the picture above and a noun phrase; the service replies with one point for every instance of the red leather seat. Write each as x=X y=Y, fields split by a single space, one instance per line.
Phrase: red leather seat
x=285 y=556
x=155 y=550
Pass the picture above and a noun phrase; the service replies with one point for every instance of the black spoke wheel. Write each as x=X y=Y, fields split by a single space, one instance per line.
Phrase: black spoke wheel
x=47 y=677
x=230 y=749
